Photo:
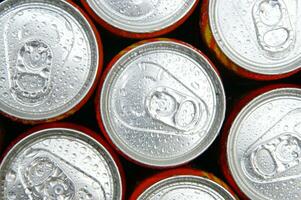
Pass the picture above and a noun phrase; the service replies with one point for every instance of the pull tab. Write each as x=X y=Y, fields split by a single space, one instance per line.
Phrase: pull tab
x=31 y=54
x=276 y=155
x=274 y=30
x=31 y=81
x=173 y=108
x=48 y=176
x=46 y=180
x=156 y=101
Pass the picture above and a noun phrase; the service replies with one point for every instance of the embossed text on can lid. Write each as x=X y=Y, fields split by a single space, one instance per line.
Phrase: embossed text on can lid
x=162 y=103
x=262 y=36
x=141 y=16
x=186 y=187
x=59 y=163
x=49 y=58
x=264 y=146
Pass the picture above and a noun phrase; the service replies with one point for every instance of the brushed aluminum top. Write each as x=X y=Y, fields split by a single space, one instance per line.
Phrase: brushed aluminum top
x=262 y=36
x=141 y=16
x=186 y=188
x=59 y=163
x=48 y=55
x=162 y=103
x=264 y=146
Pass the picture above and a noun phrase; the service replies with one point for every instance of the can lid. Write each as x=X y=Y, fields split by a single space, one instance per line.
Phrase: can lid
x=264 y=146
x=49 y=55
x=261 y=35
x=59 y=163
x=141 y=16
x=186 y=187
x=162 y=103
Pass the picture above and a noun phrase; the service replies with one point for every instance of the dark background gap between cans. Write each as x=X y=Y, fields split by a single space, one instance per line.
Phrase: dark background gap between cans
x=189 y=32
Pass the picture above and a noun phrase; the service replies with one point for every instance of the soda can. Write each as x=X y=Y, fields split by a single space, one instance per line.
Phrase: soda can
x=261 y=145
x=60 y=161
x=51 y=58
x=140 y=19
x=183 y=184
x=255 y=39
x=161 y=103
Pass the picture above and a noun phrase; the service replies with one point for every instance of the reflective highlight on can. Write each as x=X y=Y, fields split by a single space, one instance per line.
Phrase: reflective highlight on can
x=51 y=56
x=263 y=147
x=162 y=103
x=60 y=163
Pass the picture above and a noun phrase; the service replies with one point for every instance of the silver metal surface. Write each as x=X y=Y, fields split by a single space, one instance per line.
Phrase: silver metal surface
x=162 y=103
x=141 y=16
x=57 y=164
x=48 y=56
x=186 y=188
x=264 y=148
x=262 y=36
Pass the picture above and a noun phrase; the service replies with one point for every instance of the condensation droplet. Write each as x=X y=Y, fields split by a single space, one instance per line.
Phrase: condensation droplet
x=195 y=85
x=77 y=58
x=11 y=176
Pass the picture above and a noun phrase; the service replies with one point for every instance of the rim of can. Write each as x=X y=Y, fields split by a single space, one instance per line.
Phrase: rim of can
x=96 y=76
x=101 y=91
x=138 y=35
x=244 y=106
x=164 y=178
x=290 y=67
x=82 y=132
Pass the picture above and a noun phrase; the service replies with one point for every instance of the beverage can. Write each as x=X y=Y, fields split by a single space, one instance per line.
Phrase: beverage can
x=161 y=103
x=140 y=19
x=260 y=153
x=184 y=184
x=256 y=39
x=51 y=58
x=60 y=161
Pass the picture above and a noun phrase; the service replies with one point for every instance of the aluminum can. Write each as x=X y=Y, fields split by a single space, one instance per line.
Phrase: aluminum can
x=60 y=161
x=161 y=103
x=256 y=39
x=260 y=154
x=183 y=184
x=51 y=57
x=140 y=19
